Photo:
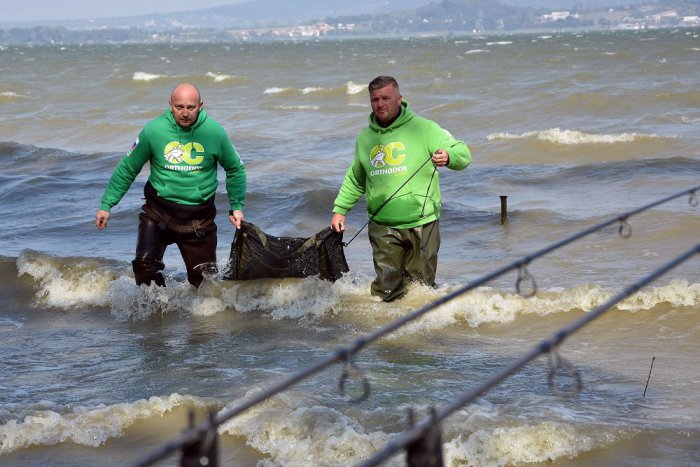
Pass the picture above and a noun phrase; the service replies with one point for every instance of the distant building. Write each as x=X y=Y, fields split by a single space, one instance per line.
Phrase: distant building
x=556 y=16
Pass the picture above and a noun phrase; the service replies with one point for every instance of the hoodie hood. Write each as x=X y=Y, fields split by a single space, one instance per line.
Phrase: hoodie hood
x=405 y=115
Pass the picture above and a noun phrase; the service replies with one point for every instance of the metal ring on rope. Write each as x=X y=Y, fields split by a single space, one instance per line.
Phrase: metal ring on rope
x=208 y=446
x=350 y=370
x=556 y=363
x=524 y=275
x=625 y=230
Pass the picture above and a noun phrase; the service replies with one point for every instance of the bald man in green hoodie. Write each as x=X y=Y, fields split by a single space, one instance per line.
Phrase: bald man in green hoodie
x=395 y=167
x=184 y=148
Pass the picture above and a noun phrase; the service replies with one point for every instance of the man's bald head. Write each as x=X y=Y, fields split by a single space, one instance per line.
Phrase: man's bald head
x=186 y=89
x=185 y=104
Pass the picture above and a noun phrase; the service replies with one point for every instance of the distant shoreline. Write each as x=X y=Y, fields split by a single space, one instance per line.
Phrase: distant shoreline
x=42 y=36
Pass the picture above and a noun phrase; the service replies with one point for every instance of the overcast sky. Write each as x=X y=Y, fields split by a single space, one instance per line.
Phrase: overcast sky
x=41 y=10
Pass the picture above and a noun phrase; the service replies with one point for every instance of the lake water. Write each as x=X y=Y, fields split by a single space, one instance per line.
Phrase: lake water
x=573 y=128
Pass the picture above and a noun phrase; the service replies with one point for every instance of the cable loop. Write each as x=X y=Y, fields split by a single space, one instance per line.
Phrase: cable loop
x=560 y=367
x=625 y=230
x=525 y=276
x=693 y=199
x=350 y=370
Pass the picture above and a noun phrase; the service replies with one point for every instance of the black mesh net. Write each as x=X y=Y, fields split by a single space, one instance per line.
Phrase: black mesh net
x=256 y=255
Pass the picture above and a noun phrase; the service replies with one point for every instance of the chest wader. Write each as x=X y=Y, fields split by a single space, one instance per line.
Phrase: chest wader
x=403 y=255
x=162 y=223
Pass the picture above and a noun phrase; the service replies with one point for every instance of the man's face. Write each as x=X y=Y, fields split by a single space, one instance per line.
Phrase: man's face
x=185 y=105
x=386 y=104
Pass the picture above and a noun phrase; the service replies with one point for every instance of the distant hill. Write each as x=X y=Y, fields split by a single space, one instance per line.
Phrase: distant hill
x=250 y=14
x=270 y=19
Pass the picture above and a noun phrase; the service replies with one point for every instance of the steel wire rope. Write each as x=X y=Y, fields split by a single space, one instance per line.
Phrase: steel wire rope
x=344 y=354
x=545 y=346
x=392 y=197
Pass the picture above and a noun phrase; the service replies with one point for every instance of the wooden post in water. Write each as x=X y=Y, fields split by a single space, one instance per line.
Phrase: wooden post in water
x=504 y=209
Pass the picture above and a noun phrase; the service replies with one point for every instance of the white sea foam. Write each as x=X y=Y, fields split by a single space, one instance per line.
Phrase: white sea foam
x=73 y=283
x=489 y=306
x=353 y=88
x=143 y=76
x=11 y=94
x=475 y=51
x=292 y=429
x=297 y=107
x=499 y=43
x=131 y=302
x=291 y=298
x=217 y=77
x=276 y=90
x=311 y=89
x=87 y=426
x=65 y=285
x=572 y=137
x=523 y=444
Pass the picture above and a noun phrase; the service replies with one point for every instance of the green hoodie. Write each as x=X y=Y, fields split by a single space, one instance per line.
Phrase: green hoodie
x=386 y=157
x=183 y=163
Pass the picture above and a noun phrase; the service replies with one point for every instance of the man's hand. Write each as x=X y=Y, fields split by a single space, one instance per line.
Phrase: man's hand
x=338 y=222
x=101 y=219
x=236 y=217
x=441 y=158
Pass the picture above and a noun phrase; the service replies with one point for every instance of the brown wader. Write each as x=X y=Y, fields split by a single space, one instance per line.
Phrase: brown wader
x=163 y=223
x=402 y=255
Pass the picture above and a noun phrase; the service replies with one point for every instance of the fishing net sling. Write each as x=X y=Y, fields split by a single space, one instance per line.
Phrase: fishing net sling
x=256 y=255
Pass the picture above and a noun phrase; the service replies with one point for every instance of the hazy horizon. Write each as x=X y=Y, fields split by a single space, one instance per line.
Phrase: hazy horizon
x=39 y=10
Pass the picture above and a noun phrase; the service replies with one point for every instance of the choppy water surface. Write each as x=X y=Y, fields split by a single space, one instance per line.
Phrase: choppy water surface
x=573 y=128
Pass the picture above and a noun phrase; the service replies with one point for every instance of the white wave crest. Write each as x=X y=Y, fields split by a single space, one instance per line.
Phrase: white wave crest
x=297 y=107
x=294 y=430
x=218 y=78
x=353 y=88
x=65 y=284
x=515 y=445
x=85 y=426
x=312 y=89
x=283 y=298
x=12 y=94
x=572 y=137
x=143 y=76
x=275 y=90
x=488 y=306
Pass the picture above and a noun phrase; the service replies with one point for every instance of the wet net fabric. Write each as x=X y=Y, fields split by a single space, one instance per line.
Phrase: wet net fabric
x=256 y=255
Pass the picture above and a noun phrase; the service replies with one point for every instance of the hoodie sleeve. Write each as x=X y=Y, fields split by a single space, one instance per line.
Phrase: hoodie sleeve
x=126 y=171
x=439 y=138
x=353 y=186
x=235 y=173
